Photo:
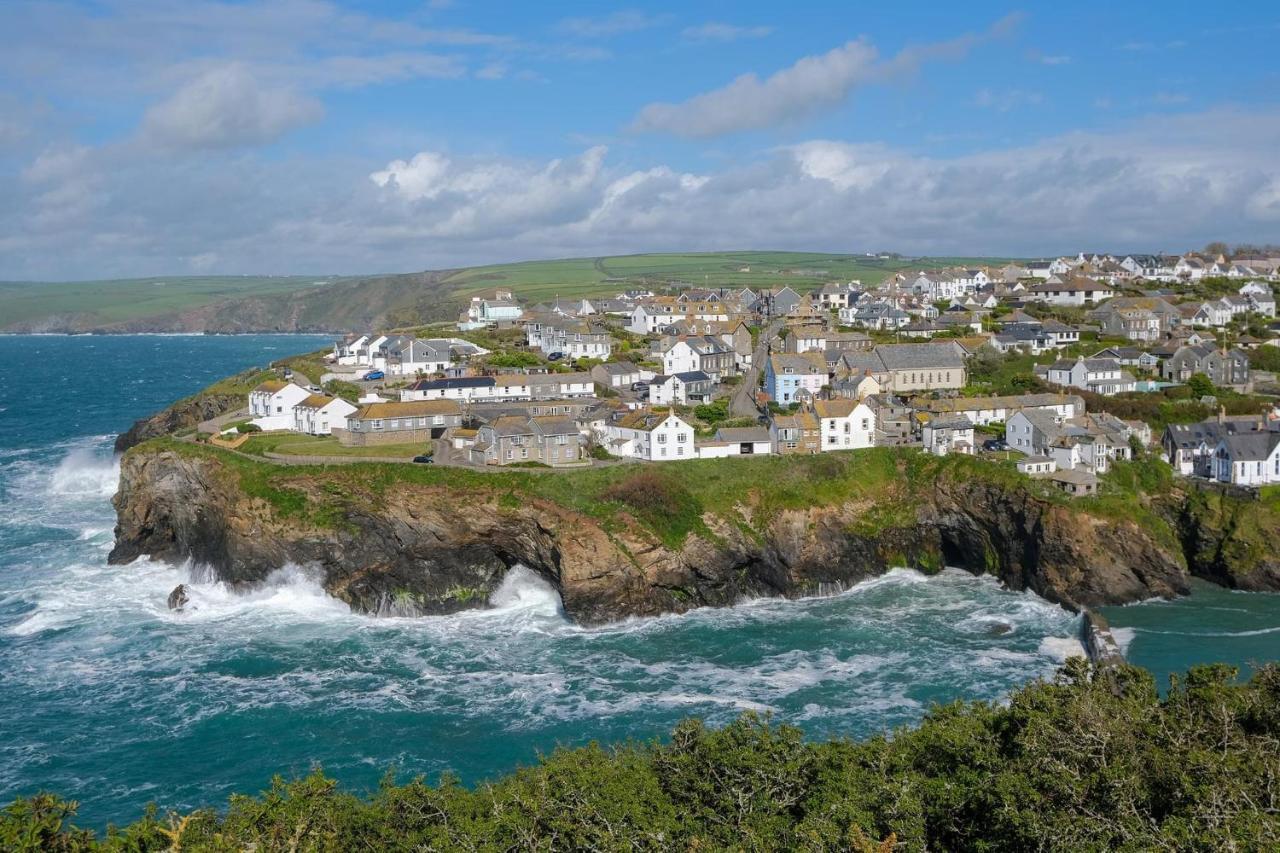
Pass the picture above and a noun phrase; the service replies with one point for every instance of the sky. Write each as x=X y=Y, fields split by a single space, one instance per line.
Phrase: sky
x=148 y=137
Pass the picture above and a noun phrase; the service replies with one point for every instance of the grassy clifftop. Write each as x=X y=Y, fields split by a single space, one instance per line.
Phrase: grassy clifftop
x=672 y=499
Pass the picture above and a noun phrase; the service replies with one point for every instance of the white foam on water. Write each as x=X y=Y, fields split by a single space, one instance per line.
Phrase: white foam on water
x=1061 y=648
x=85 y=473
x=292 y=592
x=1124 y=637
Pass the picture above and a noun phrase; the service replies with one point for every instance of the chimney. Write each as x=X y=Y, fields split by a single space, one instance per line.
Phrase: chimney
x=1222 y=415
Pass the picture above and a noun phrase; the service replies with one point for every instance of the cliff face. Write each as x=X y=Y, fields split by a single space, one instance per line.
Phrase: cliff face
x=414 y=548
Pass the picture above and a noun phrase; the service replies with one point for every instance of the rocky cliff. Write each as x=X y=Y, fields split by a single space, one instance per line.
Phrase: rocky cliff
x=405 y=541
x=182 y=415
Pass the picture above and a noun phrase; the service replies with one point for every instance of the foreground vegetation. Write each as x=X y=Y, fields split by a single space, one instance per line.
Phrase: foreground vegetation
x=1093 y=760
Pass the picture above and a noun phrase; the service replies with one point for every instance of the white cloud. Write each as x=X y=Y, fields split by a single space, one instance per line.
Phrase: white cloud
x=618 y=23
x=811 y=84
x=118 y=211
x=228 y=107
x=749 y=103
x=716 y=31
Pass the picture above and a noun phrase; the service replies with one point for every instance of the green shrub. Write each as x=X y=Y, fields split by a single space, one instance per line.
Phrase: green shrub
x=1088 y=760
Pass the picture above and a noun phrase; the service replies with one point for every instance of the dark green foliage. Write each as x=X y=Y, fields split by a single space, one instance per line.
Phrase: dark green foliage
x=660 y=500
x=1201 y=385
x=1092 y=760
x=1265 y=358
x=348 y=391
x=513 y=359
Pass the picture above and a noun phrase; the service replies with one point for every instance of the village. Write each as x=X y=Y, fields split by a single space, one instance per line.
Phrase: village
x=1059 y=367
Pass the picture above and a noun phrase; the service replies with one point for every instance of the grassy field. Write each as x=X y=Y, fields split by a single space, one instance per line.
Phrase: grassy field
x=123 y=300
x=595 y=276
x=316 y=445
x=309 y=303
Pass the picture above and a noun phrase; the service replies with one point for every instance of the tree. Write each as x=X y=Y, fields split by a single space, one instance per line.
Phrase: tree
x=1201 y=385
x=1217 y=247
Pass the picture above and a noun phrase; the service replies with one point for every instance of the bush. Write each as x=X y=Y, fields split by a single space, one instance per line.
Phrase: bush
x=243 y=428
x=666 y=505
x=1088 y=760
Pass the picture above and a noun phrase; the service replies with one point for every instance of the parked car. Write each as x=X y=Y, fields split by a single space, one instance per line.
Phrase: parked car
x=374 y=374
x=555 y=356
x=995 y=444
x=424 y=460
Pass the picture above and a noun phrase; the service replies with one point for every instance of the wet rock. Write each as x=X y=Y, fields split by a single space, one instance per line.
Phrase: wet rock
x=432 y=549
x=999 y=629
x=178 y=598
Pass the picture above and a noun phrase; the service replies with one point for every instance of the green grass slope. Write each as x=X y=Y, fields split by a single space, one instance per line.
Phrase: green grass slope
x=115 y=301
x=312 y=303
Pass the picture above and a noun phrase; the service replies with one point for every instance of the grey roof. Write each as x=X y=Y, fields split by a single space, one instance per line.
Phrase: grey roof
x=742 y=434
x=925 y=356
x=1250 y=446
x=619 y=368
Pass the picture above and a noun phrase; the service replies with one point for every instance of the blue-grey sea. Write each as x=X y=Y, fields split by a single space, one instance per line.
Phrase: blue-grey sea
x=110 y=699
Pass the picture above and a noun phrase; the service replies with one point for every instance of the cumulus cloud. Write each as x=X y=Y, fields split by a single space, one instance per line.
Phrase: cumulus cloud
x=228 y=107
x=716 y=31
x=79 y=212
x=810 y=85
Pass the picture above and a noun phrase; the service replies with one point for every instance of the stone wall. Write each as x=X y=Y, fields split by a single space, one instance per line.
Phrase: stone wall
x=347 y=438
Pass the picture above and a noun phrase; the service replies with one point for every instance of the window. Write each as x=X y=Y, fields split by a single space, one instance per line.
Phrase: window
x=377 y=424
x=662 y=438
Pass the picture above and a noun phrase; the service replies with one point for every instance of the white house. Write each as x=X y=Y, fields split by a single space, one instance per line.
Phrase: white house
x=1248 y=458
x=1100 y=375
x=318 y=414
x=1070 y=291
x=271 y=404
x=737 y=441
x=845 y=424
x=651 y=436
x=947 y=435
x=681 y=388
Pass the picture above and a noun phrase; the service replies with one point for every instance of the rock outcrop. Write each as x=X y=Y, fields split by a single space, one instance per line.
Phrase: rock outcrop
x=420 y=548
x=182 y=415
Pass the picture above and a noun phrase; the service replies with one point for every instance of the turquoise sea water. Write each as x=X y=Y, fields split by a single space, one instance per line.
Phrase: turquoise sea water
x=109 y=698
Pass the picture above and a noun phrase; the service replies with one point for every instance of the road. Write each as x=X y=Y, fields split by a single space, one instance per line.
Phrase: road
x=742 y=404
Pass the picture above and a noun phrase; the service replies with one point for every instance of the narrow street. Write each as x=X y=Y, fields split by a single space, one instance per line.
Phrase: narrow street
x=742 y=404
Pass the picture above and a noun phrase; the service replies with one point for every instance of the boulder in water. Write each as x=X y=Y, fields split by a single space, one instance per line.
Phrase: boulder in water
x=999 y=629
x=178 y=598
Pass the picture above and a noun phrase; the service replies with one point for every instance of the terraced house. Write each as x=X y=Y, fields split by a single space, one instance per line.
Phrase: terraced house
x=570 y=338
x=790 y=377
x=399 y=423
x=1229 y=368
x=319 y=414
x=510 y=440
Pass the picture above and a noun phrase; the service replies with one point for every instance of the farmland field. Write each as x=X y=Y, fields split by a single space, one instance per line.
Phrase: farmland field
x=596 y=276
x=231 y=304
x=123 y=300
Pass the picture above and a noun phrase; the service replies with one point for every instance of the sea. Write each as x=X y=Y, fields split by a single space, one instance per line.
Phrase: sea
x=110 y=699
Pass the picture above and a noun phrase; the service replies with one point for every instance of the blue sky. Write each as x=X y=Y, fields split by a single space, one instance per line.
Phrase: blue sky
x=141 y=137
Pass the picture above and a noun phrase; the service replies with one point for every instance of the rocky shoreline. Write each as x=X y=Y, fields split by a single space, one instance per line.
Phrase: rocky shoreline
x=432 y=548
